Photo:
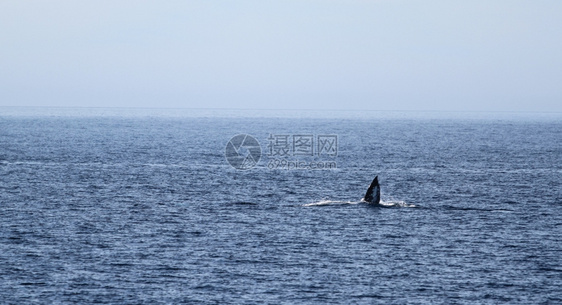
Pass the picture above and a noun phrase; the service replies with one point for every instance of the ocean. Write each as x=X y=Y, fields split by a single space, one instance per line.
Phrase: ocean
x=152 y=206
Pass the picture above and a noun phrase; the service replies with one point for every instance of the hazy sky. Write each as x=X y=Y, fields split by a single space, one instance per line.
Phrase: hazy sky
x=370 y=54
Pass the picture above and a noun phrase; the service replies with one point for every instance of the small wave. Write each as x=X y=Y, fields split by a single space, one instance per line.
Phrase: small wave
x=459 y=208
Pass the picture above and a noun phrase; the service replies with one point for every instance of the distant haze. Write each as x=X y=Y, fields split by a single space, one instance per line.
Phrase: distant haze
x=373 y=55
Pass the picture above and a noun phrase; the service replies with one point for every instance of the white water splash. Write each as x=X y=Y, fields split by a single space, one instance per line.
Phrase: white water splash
x=329 y=202
x=396 y=203
x=386 y=204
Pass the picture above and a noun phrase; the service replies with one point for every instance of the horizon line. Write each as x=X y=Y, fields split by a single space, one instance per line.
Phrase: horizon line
x=280 y=109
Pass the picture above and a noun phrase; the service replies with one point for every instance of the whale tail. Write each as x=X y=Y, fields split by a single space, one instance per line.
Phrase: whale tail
x=373 y=194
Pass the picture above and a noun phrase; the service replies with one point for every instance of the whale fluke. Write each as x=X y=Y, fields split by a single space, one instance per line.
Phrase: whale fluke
x=373 y=194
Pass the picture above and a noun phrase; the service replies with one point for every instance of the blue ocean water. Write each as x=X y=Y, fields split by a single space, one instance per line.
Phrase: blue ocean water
x=147 y=209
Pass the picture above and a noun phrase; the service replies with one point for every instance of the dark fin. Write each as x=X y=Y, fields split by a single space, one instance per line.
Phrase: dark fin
x=373 y=194
x=243 y=203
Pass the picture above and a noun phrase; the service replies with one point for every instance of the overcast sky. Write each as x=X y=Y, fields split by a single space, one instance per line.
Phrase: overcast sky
x=370 y=54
